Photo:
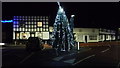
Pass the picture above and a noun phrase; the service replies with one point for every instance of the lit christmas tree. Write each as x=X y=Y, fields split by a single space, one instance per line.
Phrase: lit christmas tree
x=63 y=31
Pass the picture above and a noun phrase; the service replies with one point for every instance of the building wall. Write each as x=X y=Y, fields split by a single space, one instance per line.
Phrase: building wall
x=30 y=26
x=106 y=34
x=91 y=33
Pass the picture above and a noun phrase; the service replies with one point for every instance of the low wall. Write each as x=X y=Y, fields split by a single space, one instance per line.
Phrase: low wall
x=101 y=43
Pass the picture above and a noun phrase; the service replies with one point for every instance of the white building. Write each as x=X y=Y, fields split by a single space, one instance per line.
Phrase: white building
x=92 y=34
x=30 y=26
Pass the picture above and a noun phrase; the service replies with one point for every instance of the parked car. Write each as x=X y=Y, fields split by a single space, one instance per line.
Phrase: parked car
x=34 y=44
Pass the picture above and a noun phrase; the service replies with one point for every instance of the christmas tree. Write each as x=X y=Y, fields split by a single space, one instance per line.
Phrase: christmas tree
x=63 y=39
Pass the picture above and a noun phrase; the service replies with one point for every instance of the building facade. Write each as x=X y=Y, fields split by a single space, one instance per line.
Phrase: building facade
x=30 y=26
x=92 y=34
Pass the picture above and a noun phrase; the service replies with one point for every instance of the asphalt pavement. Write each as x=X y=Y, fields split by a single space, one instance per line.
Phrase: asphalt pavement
x=96 y=56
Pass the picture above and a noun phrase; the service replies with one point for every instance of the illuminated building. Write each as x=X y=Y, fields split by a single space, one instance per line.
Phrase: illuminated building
x=92 y=34
x=30 y=26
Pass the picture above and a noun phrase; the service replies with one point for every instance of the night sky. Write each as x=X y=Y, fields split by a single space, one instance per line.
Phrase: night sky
x=87 y=14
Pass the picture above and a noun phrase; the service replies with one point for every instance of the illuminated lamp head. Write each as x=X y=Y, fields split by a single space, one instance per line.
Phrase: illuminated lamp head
x=72 y=15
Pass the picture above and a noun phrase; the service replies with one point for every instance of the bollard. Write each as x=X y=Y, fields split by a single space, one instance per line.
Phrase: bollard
x=78 y=45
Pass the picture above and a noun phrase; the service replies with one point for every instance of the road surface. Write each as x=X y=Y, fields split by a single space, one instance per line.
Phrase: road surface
x=97 y=56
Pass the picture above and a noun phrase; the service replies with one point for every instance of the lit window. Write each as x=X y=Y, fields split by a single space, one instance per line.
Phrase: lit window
x=20 y=29
x=46 y=25
x=17 y=29
x=23 y=29
x=46 y=22
x=26 y=29
x=32 y=35
x=29 y=29
x=43 y=22
x=14 y=25
x=46 y=29
x=14 y=29
x=94 y=37
x=34 y=25
x=26 y=26
x=37 y=29
x=43 y=29
x=40 y=29
x=39 y=24
x=43 y=25
x=17 y=36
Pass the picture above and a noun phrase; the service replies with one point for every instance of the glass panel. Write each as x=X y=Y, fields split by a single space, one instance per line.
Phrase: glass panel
x=43 y=25
x=34 y=29
x=46 y=22
x=14 y=29
x=40 y=29
x=46 y=29
x=39 y=24
x=23 y=29
x=28 y=29
x=17 y=35
x=20 y=29
x=37 y=29
x=43 y=29
x=13 y=35
x=93 y=37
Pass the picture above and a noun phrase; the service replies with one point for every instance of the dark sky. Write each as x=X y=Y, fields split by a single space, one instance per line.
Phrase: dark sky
x=87 y=14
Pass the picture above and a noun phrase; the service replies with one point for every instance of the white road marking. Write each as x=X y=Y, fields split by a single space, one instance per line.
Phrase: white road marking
x=83 y=59
x=69 y=61
x=27 y=57
x=105 y=50
x=58 y=58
